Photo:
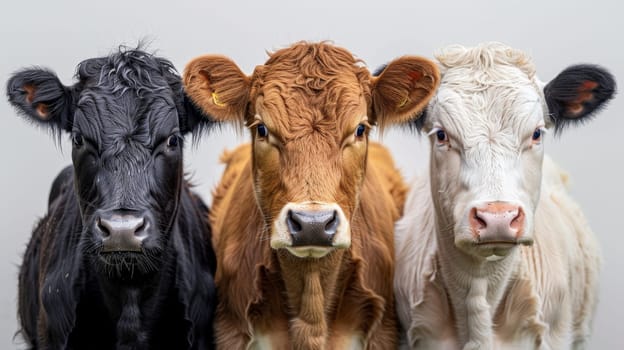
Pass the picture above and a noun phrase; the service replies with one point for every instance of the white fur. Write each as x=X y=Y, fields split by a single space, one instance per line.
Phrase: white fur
x=452 y=294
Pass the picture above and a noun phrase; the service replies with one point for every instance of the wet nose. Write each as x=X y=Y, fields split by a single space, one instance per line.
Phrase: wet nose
x=121 y=231
x=497 y=222
x=312 y=228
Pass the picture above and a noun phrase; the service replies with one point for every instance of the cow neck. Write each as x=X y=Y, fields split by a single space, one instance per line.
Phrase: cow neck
x=476 y=286
x=310 y=289
x=130 y=304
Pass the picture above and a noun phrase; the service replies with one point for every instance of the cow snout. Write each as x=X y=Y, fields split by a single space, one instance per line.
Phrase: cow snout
x=122 y=231
x=497 y=222
x=312 y=228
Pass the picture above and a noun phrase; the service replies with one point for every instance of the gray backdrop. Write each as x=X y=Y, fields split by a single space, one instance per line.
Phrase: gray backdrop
x=59 y=34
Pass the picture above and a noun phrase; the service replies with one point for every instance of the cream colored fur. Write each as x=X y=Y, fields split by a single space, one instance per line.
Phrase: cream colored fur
x=536 y=297
x=552 y=290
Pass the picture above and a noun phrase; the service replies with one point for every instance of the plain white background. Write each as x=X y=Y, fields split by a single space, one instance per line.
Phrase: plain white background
x=59 y=34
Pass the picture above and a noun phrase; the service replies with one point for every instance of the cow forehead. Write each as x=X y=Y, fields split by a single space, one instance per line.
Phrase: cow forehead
x=109 y=117
x=497 y=110
x=298 y=104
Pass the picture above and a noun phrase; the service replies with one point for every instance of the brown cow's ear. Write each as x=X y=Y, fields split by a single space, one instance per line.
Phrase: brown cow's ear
x=403 y=89
x=218 y=87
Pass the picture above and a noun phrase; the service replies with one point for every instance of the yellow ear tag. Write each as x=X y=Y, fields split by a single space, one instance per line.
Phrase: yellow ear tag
x=216 y=101
x=403 y=102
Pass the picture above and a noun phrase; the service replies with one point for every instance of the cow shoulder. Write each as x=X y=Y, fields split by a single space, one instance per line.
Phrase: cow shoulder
x=373 y=222
x=238 y=228
x=567 y=246
x=422 y=301
x=235 y=162
x=388 y=174
x=60 y=277
x=61 y=184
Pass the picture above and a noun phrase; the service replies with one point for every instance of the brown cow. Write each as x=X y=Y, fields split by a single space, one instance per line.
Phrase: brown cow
x=303 y=223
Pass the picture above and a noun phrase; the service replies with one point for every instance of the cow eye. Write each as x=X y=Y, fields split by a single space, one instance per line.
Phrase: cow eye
x=359 y=132
x=537 y=135
x=262 y=130
x=441 y=135
x=77 y=140
x=173 y=141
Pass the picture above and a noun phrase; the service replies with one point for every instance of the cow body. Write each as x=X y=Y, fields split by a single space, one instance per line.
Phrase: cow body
x=122 y=259
x=348 y=292
x=303 y=217
x=483 y=260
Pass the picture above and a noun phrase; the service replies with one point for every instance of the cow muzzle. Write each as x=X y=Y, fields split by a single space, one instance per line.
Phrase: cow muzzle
x=122 y=230
x=496 y=227
x=310 y=229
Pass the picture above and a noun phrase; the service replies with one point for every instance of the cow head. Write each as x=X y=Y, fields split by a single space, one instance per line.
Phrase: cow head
x=309 y=109
x=127 y=116
x=488 y=125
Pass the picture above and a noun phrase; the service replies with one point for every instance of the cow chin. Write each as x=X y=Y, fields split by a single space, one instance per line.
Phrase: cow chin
x=491 y=251
x=311 y=229
x=127 y=264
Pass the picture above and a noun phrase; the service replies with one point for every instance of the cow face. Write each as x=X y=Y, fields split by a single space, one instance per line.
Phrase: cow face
x=309 y=109
x=126 y=117
x=488 y=125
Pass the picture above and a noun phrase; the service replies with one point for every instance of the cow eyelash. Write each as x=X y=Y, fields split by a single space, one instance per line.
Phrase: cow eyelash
x=441 y=135
x=538 y=135
x=173 y=141
x=360 y=130
x=77 y=140
x=262 y=130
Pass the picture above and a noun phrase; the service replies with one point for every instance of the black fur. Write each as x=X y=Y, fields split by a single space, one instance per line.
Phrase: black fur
x=72 y=295
x=564 y=89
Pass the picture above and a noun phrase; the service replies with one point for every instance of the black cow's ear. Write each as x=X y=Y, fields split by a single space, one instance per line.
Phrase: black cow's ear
x=40 y=95
x=194 y=120
x=577 y=93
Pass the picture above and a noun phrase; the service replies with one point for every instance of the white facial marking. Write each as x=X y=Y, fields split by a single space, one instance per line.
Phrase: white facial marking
x=281 y=237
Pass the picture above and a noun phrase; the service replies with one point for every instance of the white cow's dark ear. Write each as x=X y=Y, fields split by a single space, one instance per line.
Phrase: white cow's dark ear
x=40 y=95
x=577 y=93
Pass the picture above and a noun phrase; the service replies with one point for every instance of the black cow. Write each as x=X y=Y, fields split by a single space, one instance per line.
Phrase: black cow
x=122 y=259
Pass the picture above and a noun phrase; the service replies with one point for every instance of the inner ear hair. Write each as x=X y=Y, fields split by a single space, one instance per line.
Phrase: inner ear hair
x=41 y=109
x=580 y=90
x=217 y=86
x=39 y=95
x=578 y=93
x=403 y=89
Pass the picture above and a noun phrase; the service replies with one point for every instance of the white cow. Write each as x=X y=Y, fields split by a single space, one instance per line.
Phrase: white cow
x=483 y=260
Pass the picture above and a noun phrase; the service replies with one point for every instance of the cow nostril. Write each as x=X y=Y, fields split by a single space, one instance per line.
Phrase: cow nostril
x=518 y=221
x=332 y=225
x=293 y=223
x=481 y=223
x=140 y=228
x=105 y=231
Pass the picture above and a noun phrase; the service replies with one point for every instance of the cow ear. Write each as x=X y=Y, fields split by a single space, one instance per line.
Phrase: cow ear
x=577 y=93
x=403 y=89
x=191 y=119
x=217 y=87
x=40 y=95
